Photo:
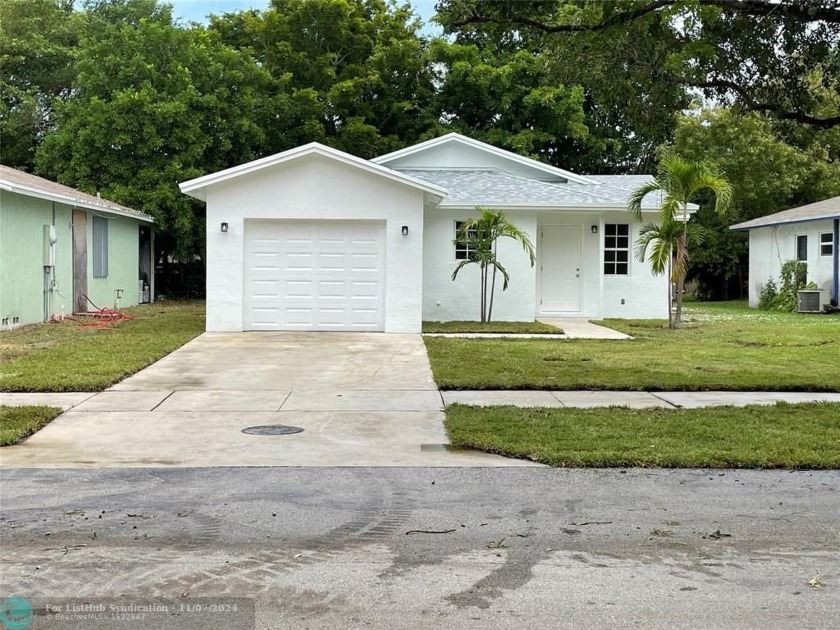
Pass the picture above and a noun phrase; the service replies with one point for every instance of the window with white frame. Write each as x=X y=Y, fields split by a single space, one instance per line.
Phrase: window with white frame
x=826 y=244
x=100 y=247
x=616 y=249
x=463 y=251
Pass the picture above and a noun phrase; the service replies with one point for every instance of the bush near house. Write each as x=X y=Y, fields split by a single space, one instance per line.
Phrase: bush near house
x=784 y=298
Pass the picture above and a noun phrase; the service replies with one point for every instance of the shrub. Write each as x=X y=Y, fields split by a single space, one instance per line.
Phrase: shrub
x=783 y=298
x=768 y=296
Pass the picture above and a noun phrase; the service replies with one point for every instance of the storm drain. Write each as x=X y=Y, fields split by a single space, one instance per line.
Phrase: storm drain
x=272 y=429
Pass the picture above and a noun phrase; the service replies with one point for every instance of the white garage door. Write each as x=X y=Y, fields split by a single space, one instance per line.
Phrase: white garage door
x=314 y=275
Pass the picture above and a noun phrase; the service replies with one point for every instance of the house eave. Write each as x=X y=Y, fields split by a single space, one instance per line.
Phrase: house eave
x=197 y=188
x=76 y=203
x=745 y=227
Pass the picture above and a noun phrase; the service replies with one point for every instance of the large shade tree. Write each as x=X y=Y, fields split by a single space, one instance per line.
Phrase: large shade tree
x=153 y=104
x=759 y=55
x=679 y=183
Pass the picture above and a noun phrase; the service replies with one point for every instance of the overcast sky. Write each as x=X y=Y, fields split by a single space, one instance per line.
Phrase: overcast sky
x=197 y=10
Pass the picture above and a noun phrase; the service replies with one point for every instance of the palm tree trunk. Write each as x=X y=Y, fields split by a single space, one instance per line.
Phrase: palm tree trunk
x=681 y=279
x=670 y=285
x=492 y=287
x=483 y=293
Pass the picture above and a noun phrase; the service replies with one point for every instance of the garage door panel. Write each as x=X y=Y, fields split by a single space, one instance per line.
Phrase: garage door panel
x=319 y=275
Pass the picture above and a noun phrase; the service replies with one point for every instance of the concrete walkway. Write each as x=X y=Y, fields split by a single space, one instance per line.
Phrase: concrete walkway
x=572 y=327
x=581 y=328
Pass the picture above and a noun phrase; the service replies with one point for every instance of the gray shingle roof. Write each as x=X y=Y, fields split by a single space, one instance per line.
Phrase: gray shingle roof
x=495 y=188
x=22 y=183
x=826 y=209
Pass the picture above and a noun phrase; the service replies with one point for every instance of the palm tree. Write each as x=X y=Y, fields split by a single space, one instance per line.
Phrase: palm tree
x=680 y=182
x=668 y=252
x=480 y=237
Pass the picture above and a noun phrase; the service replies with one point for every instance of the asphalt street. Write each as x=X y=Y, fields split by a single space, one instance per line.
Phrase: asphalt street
x=430 y=548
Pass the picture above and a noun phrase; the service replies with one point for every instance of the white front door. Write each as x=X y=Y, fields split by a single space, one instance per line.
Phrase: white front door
x=314 y=275
x=560 y=256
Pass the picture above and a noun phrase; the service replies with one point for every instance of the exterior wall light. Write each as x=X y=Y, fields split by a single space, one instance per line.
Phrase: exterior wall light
x=224 y=226
x=594 y=229
x=405 y=230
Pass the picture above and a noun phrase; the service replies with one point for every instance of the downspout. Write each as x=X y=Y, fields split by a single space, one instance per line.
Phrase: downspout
x=836 y=289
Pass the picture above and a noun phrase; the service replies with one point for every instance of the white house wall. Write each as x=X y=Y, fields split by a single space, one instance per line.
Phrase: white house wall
x=314 y=188
x=772 y=246
x=445 y=300
x=640 y=294
x=643 y=294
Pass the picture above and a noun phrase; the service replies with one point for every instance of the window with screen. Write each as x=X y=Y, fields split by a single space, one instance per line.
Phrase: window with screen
x=802 y=247
x=100 y=247
x=616 y=249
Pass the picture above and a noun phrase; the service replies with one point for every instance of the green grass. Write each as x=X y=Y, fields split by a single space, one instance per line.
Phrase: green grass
x=491 y=327
x=68 y=357
x=782 y=436
x=723 y=346
x=17 y=423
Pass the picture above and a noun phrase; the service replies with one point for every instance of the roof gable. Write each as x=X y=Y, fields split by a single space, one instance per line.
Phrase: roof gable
x=453 y=151
x=198 y=187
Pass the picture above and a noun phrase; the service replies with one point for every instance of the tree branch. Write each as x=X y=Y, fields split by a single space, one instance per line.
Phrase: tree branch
x=813 y=11
x=749 y=104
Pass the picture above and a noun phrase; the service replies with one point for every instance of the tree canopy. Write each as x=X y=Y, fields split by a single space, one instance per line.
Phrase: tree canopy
x=120 y=97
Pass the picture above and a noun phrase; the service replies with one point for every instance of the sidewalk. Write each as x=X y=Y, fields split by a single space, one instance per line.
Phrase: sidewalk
x=635 y=400
x=103 y=401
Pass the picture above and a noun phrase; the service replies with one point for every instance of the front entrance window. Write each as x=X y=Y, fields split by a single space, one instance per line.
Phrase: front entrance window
x=616 y=249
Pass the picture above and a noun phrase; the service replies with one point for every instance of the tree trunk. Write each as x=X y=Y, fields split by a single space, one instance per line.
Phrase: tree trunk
x=670 y=285
x=483 y=293
x=681 y=279
x=492 y=288
x=680 y=289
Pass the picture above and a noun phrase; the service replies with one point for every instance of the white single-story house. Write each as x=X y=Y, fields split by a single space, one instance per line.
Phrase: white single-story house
x=809 y=233
x=317 y=239
x=62 y=250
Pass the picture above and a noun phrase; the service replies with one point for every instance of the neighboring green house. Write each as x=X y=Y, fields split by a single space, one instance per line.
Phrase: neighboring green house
x=62 y=249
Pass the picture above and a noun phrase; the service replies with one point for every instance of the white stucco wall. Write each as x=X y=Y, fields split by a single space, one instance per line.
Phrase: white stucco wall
x=445 y=300
x=644 y=295
x=772 y=246
x=314 y=187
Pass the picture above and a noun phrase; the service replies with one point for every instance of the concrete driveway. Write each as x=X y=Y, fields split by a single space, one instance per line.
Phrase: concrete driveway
x=363 y=399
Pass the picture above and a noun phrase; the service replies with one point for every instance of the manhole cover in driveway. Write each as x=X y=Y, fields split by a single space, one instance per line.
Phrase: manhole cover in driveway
x=272 y=429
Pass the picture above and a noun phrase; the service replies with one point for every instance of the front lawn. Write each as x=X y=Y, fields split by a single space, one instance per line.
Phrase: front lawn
x=17 y=423
x=533 y=328
x=722 y=347
x=782 y=436
x=69 y=357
